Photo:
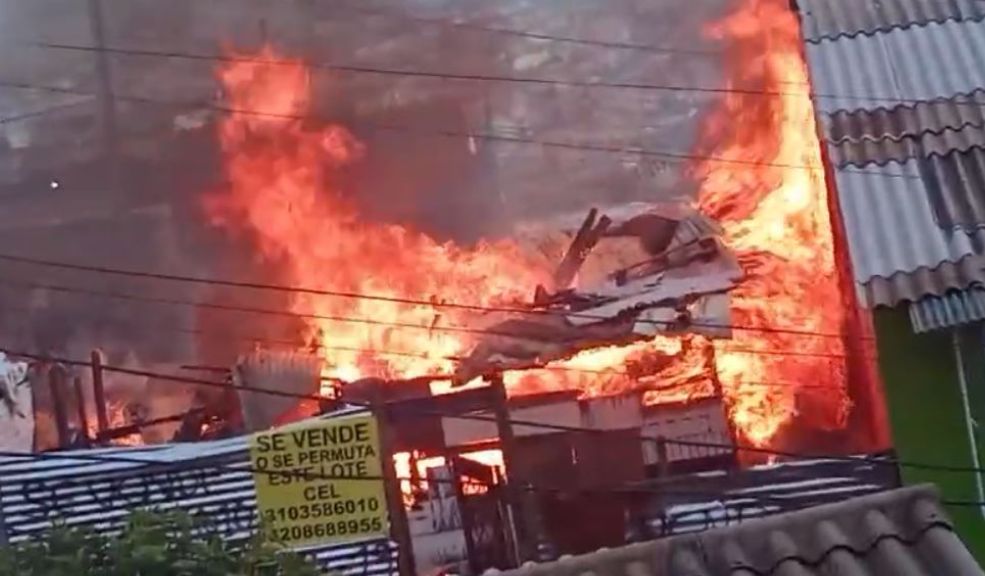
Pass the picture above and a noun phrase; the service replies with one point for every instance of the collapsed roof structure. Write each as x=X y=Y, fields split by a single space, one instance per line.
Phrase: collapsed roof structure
x=663 y=271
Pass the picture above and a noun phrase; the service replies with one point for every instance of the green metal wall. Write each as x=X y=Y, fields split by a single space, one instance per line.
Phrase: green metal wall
x=922 y=390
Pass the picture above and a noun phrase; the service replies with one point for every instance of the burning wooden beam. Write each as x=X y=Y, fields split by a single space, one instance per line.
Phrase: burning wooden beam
x=585 y=239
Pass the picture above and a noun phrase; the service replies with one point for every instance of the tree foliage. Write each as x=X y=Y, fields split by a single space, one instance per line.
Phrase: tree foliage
x=151 y=544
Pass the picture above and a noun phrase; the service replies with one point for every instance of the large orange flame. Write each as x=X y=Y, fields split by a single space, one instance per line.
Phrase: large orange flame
x=763 y=180
x=282 y=192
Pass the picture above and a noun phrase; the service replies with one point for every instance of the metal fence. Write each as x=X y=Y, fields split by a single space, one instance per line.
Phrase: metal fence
x=705 y=500
x=209 y=480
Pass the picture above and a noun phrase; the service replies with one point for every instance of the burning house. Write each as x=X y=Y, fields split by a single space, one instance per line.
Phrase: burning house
x=576 y=355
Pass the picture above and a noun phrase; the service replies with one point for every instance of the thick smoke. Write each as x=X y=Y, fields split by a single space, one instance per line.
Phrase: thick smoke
x=429 y=162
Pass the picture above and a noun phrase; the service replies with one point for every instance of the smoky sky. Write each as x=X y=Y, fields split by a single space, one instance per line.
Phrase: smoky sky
x=427 y=164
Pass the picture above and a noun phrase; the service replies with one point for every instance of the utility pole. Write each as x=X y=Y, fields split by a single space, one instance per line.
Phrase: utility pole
x=106 y=98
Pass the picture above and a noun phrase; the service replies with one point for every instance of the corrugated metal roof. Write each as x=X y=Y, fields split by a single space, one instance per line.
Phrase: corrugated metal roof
x=210 y=480
x=833 y=18
x=890 y=222
x=911 y=287
x=907 y=121
x=956 y=183
x=900 y=87
x=943 y=145
x=952 y=309
x=932 y=62
x=903 y=531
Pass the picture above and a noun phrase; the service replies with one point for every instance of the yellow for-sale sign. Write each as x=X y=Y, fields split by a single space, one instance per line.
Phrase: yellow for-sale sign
x=320 y=482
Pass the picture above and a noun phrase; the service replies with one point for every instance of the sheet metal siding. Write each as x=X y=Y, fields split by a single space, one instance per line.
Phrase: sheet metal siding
x=832 y=18
x=209 y=480
x=890 y=222
x=931 y=62
x=952 y=309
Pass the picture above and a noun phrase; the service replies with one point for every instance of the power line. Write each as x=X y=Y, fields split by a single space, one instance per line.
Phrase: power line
x=252 y=338
x=43 y=111
x=669 y=156
x=350 y=68
x=361 y=296
x=528 y=34
x=80 y=291
x=524 y=423
x=295 y=343
x=270 y=311
x=382 y=351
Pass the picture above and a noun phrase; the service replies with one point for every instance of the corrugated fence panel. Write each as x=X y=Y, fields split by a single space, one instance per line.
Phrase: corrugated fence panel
x=702 y=501
x=209 y=480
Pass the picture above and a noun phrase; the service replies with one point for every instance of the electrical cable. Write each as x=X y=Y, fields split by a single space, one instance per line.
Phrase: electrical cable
x=299 y=344
x=678 y=157
x=515 y=422
x=349 y=68
x=527 y=34
x=362 y=296
x=44 y=111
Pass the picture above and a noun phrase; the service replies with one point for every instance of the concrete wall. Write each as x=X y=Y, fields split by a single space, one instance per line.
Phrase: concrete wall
x=923 y=394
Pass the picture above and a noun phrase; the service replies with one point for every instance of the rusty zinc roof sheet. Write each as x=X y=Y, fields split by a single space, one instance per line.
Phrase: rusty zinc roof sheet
x=892 y=533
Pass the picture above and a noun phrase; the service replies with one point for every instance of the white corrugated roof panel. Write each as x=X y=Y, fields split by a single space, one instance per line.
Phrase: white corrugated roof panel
x=936 y=61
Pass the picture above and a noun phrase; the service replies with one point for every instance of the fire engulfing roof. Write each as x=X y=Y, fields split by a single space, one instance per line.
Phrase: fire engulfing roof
x=679 y=283
x=903 y=531
x=899 y=89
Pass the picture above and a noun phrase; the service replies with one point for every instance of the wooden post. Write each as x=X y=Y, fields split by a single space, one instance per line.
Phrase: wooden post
x=663 y=463
x=399 y=526
x=81 y=406
x=56 y=383
x=521 y=509
x=456 y=480
x=99 y=393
